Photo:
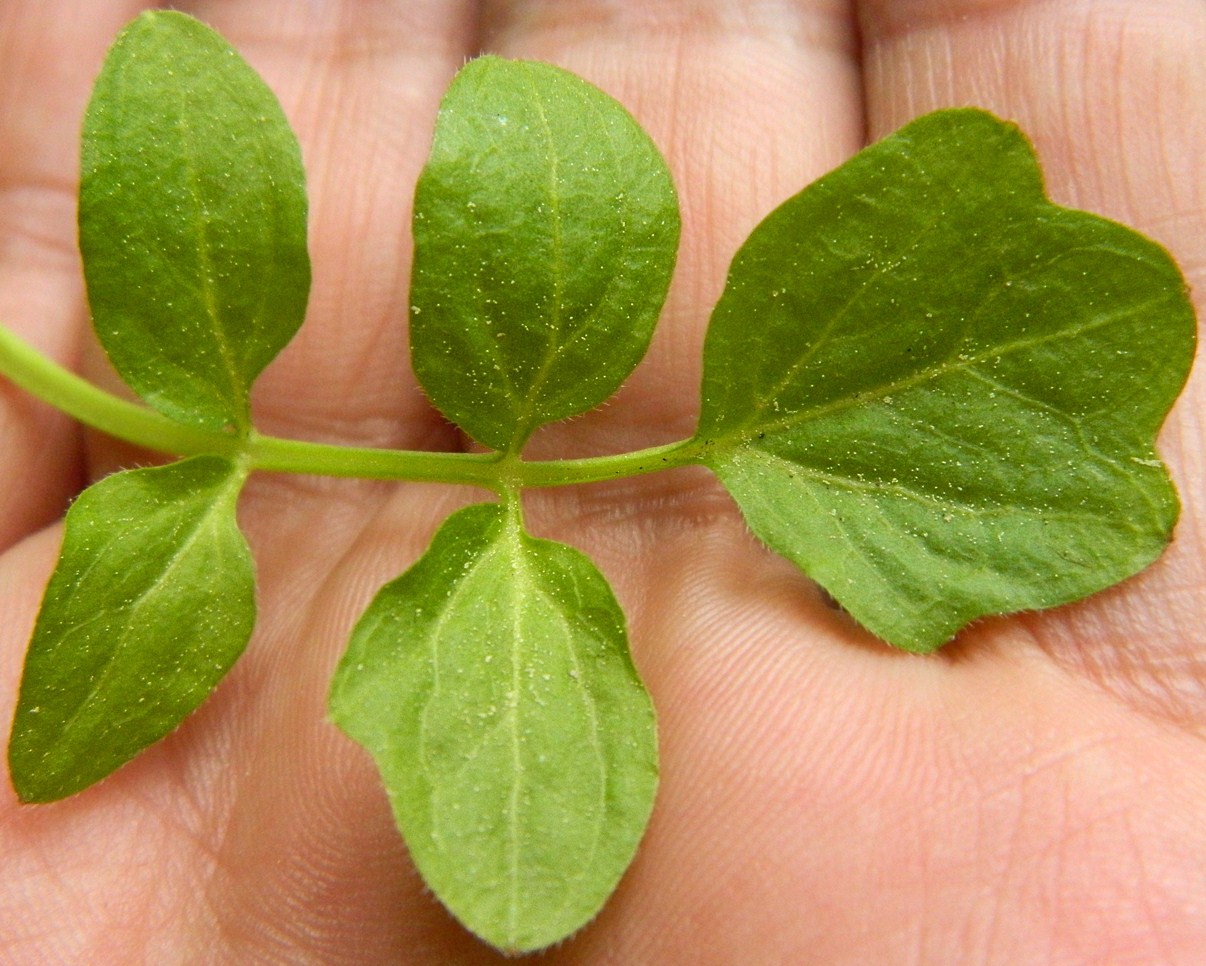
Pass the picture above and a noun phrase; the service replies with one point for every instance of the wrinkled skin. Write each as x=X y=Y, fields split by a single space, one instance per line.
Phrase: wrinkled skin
x=1034 y=794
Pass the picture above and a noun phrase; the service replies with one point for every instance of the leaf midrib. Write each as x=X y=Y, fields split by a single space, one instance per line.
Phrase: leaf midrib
x=205 y=274
x=508 y=542
x=748 y=431
x=525 y=422
x=889 y=265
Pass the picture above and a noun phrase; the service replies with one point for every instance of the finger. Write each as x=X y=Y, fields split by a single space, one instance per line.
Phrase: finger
x=23 y=573
x=749 y=102
x=360 y=83
x=49 y=54
x=1114 y=97
x=1110 y=94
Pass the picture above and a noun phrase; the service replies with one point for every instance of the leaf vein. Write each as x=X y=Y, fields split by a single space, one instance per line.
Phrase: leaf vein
x=948 y=366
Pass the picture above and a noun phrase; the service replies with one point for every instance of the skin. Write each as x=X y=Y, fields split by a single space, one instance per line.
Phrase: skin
x=1031 y=795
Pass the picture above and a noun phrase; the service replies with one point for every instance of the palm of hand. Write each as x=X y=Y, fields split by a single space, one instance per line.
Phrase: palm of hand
x=1028 y=796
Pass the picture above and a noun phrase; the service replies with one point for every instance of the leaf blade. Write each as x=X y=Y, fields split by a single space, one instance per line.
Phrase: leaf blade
x=976 y=350
x=541 y=262
x=152 y=600
x=485 y=693
x=192 y=220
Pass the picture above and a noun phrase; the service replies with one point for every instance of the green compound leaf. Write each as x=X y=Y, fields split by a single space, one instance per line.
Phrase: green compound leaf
x=937 y=392
x=192 y=220
x=545 y=231
x=152 y=600
x=493 y=686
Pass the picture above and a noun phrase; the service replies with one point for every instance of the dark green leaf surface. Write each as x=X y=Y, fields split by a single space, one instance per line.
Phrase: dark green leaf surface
x=192 y=220
x=493 y=686
x=545 y=231
x=937 y=392
x=152 y=600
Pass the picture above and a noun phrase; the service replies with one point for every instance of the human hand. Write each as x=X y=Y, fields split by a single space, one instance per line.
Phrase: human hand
x=1030 y=795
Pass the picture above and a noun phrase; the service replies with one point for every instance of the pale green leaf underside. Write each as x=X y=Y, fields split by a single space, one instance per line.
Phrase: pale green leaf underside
x=192 y=220
x=937 y=392
x=493 y=686
x=545 y=231
x=151 y=601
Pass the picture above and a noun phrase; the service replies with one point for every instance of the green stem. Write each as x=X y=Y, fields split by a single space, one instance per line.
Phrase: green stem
x=80 y=399
x=278 y=455
x=597 y=469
